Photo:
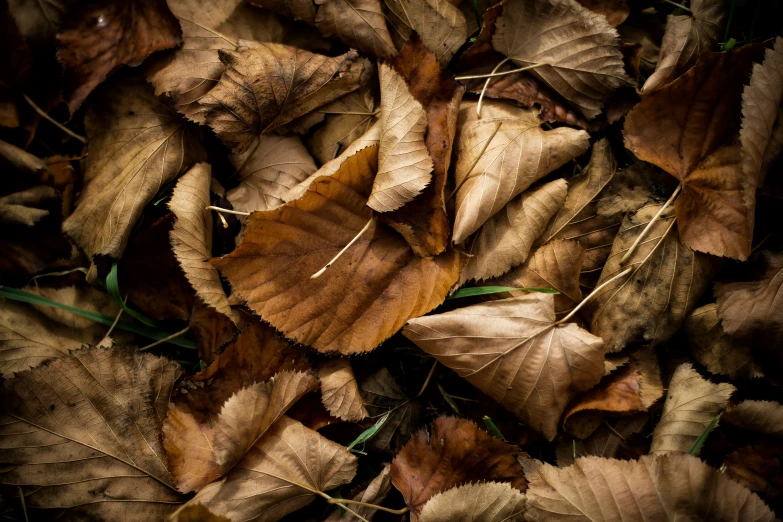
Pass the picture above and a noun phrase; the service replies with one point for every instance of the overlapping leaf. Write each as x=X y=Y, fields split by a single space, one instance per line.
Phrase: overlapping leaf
x=481 y=502
x=440 y=24
x=340 y=392
x=357 y=23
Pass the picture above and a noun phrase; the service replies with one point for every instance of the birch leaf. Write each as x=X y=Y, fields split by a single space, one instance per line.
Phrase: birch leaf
x=480 y=502
x=757 y=416
x=340 y=392
x=441 y=26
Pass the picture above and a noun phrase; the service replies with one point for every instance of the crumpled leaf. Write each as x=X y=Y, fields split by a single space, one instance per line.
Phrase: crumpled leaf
x=339 y=390
x=20 y=208
x=687 y=37
x=268 y=171
x=655 y=488
x=500 y=155
x=363 y=298
x=608 y=441
x=757 y=416
x=691 y=404
x=440 y=24
x=480 y=502
x=99 y=37
x=186 y=74
x=579 y=49
x=456 y=452
x=347 y=119
x=382 y=395
x=689 y=129
x=357 y=23
x=505 y=239
x=514 y=351
x=283 y=472
x=267 y=85
x=137 y=144
x=375 y=493
x=82 y=435
x=649 y=304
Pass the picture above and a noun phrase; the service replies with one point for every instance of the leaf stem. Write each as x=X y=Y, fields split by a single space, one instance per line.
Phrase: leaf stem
x=401 y=511
x=486 y=86
x=427 y=380
x=495 y=74
x=56 y=123
x=227 y=211
x=591 y=295
x=649 y=225
x=166 y=339
x=346 y=247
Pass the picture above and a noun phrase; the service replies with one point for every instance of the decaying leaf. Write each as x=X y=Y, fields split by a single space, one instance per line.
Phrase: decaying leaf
x=514 y=351
x=691 y=404
x=339 y=390
x=365 y=297
x=654 y=488
x=267 y=85
x=137 y=144
x=456 y=452
x=757 y=416
x=82 y=435
x=500 y=155
x=374 y=493
x=440 y=24
x=347 y=119
x=505 y=239
x=480 y=502
x=99 y=37
x=382 y=395
x=21 y=208
x=577 y=53
x=267 y=171
x=357 y=23
x=607 y=441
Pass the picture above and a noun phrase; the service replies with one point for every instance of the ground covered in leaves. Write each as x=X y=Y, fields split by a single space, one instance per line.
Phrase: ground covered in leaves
x=426 y=260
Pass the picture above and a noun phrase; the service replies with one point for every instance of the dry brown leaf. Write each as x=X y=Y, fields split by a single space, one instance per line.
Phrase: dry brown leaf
x=82 y=436
x=137 y=144
x=687 y=37
x=186 y=74
x=361 y=300
x=404 y=165
x=269 y=170
x=579 y=50
x=198 y=513
x=692 y=402
x=714 y=349
x=374 y=493
x=514 y=351
x=689 y=129
x=441 y=26
x=382 y=395
x=757 y=416
x=339 y=390
x=607 y=441
x=615 y=11
x=480 y=502
x=267 y=85
x=20 y=160
x=347 y=119
x=21 y=208
x=500 y=155
x=357 y=23
x=505 y=239
x=655 y=488
x=191 y=237
x=83 y=297
x=649 y=304
x=99 y=37
x=301 y=10
x=456 y=452
x=283 y=472
x=757 y=466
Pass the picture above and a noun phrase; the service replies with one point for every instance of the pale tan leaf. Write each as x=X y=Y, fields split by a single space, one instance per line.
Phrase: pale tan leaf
x=650 y=303
x=607 y=441
x=656 y=488
x=404 y=165
x=615 y=11
x=357 y=23
x=282 y=473
x=347 y=119
x=137 y=144
x=687 y=37
x=83 y=297
x=480 y=502
x=757 y=416
x=20 y=208
x=82 y=436
x=691 y=403
x=441 y=26
x=340 y=392
x=186 y=74
x=267 y=171
x=579 y=49
x=375 y=493
x=502 y=154
x=505 y=239
x=198 y=513
x=191 y=236
x=513 y=351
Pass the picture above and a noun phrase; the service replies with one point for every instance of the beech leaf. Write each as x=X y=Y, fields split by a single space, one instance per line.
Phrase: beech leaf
x=340 y=392
x=480 y=502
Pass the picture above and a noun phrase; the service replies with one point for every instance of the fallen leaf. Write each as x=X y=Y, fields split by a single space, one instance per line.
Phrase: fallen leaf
x=347 y=119
x=691 y=404
x=505 y=239
x=283 y=472
x=687 y=37
x=382 y=395
x=186 y=74
x=375 y=493
x=83 y=297
x=357 y=23
x=198 y=513
x=649 y=304
x=514 y=351
x=339 y=390
x=480 y=502
x=267 y=85
x=615 y=11
x=441 y=26
x=456 y=452
x=499 y=156
x=607 y=441
x=579 y=51
x=268 y=171
x=655 y=488
x=22 y=161
x=300 y=10
x=365 y=297
x=97 y=38
x=758 y=468
x=689 y=129
x=82 y=435
x=714 y=349
x=21 y=208
x=757 y=416
x=136 y=145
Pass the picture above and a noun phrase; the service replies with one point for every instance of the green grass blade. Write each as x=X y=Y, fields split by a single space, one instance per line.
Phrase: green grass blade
x=485 y=290
x=704 y=434
x=492 y=428
x=113 y=287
